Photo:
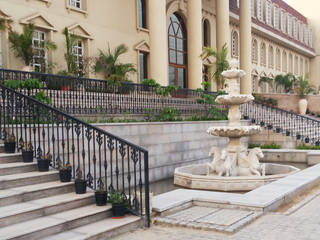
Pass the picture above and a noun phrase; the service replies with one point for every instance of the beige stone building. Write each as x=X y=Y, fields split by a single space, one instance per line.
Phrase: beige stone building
x=166 y=37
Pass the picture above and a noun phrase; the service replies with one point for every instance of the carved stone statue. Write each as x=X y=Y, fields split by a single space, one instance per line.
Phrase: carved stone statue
x=221 y=163
x=250 y=165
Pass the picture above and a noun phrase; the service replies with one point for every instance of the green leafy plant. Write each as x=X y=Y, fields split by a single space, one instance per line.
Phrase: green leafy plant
x=303 y=87
x=264 y=146
x=42 y=97
x=22 y=44
x=167 y=114
x=307 y=147
x=221 y=64
x=166 y=91
x=286 y=81
x=31 y=83
x=13 y=84
x=151 y=83
x=108 y=64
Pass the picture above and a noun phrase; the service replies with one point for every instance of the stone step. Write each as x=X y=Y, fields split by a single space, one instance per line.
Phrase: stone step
x=10 y=157
x=56 y=223
x=24 y=179
x=1 y=147
x=18 y=167
x=32 y=192
x=104 y=229
x=21 y=212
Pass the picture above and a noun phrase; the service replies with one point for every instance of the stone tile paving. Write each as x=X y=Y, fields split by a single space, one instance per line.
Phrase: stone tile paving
x=303 y=224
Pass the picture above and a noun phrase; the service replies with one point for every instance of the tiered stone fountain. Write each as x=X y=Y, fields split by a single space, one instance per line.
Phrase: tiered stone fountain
x=232 y=168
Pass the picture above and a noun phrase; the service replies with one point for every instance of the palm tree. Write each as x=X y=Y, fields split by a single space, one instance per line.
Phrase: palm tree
x=286 y=81
x=221 y=64
x=22 y=43
x=303 y=88
x=108 y=64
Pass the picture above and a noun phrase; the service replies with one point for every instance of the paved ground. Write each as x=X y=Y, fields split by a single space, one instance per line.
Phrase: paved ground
x=304 y=224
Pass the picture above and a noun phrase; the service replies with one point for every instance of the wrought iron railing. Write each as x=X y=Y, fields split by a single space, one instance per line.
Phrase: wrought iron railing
x=288 y=123
x=87 y=96
x=106 y=161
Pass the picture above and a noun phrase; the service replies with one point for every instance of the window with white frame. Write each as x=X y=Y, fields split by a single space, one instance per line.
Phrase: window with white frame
x=295 y=29
x=254 y=51
x=278 y=59
x=289 y=25
x=283 y=21
x=306 y=35
x=284 y=62
x=310 y=37
x=39 y=61
x=235 y=44
x=259 y=10
x=78 y=52
x=263 y=55
x=276 y=17
x=253 y=8
x=268 y=13
x=271 y=57
x=75 y=3
x=301 y=33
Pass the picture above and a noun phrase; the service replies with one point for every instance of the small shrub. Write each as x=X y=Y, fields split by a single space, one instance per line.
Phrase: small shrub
x=307 y=147
x=13 y=84
x=167 y=114
x=264 y=146
x=42 y=97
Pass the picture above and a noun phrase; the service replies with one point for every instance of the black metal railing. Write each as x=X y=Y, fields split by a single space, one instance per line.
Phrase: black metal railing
x=288 y=123
x=90 y=96
x=106 y=161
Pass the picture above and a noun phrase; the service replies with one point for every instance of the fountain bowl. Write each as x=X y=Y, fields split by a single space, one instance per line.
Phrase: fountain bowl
x=194 y=177
x=234 y=99
x=234 y=131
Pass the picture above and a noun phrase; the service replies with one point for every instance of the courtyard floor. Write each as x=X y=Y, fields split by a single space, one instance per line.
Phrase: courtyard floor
x=302 y=224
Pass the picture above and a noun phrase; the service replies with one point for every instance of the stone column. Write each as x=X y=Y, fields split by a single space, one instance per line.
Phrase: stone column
x=223 y=28
x=245 y=46
x=158 y=41
x=194 y=30
x=5 y=47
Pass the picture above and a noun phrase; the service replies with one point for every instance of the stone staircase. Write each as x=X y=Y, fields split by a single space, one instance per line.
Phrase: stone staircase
x=36 y=205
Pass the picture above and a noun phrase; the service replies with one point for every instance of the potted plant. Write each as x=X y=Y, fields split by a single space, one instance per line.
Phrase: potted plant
x=9 y=143
x=101 y=196
x=80 y=184
x=44 y=162
x=27 y=152
x=65 y=171
x=303 y=88
x=119 y=203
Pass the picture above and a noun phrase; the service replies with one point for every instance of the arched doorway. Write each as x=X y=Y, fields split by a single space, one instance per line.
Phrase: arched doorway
x=177 y=51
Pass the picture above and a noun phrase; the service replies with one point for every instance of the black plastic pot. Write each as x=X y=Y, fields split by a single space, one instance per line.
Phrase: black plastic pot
x=101 y=198
x=43 y=165
x=80 y=186
x=9 y=147
x=118 y=209
x=65 y=175
x=27 y=156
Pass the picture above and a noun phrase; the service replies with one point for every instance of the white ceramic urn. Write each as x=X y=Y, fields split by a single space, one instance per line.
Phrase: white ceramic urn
x=303 y=104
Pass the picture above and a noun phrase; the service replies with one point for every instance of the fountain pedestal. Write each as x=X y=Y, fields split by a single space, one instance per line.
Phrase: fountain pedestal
x=233 y=168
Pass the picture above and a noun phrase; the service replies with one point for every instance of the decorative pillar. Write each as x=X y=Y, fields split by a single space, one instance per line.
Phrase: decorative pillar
x=194 y=43
x=158 y=41
x=5 y=47
x=223 y=27
x=245 y=46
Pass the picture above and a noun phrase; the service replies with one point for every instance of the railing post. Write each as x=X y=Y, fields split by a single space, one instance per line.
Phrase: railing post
x=146 y=182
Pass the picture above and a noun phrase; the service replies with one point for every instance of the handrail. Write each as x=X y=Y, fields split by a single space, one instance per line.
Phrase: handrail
x=77 y=95
x=107 y=162
x=282 y=121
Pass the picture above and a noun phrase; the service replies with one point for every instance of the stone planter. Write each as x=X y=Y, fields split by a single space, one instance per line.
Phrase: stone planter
x=303 y=104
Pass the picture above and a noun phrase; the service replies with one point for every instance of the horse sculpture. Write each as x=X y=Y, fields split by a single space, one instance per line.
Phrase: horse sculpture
x=250 y=165
x=221 y=163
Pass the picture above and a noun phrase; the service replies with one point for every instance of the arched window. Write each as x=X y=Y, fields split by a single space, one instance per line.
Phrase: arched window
x=290 y=63
x=142 y=16
x=276 y=17
x=255 y=80
x=234 y=44
x=296 y=65
x=301 y=32
x=177 y=51
x=271 y=57
x=295 y=29
x=283 y=21
x=259 y=10
x=262 y=85
x=284 y=62
x=254 y=51
x=301 y=67
x=206 y=33
x=268 y=12
x=263 y=55
x=278 y=59
x=289 y=25
x=306 y=35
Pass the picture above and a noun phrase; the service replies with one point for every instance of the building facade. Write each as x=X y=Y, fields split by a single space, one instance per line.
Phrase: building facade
x=166 y=37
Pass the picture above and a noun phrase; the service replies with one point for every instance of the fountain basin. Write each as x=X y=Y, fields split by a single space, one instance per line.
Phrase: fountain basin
x=194 y=177
x=234 y=99
x=233 y=131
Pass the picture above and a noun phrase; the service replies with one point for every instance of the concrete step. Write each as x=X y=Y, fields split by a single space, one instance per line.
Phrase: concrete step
x=104 y=229
x=32 y=192
x=56 y=223
x=18 y=167
x=21 y=212
x=1 y=147
x=24 y=179
x=10 y=157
